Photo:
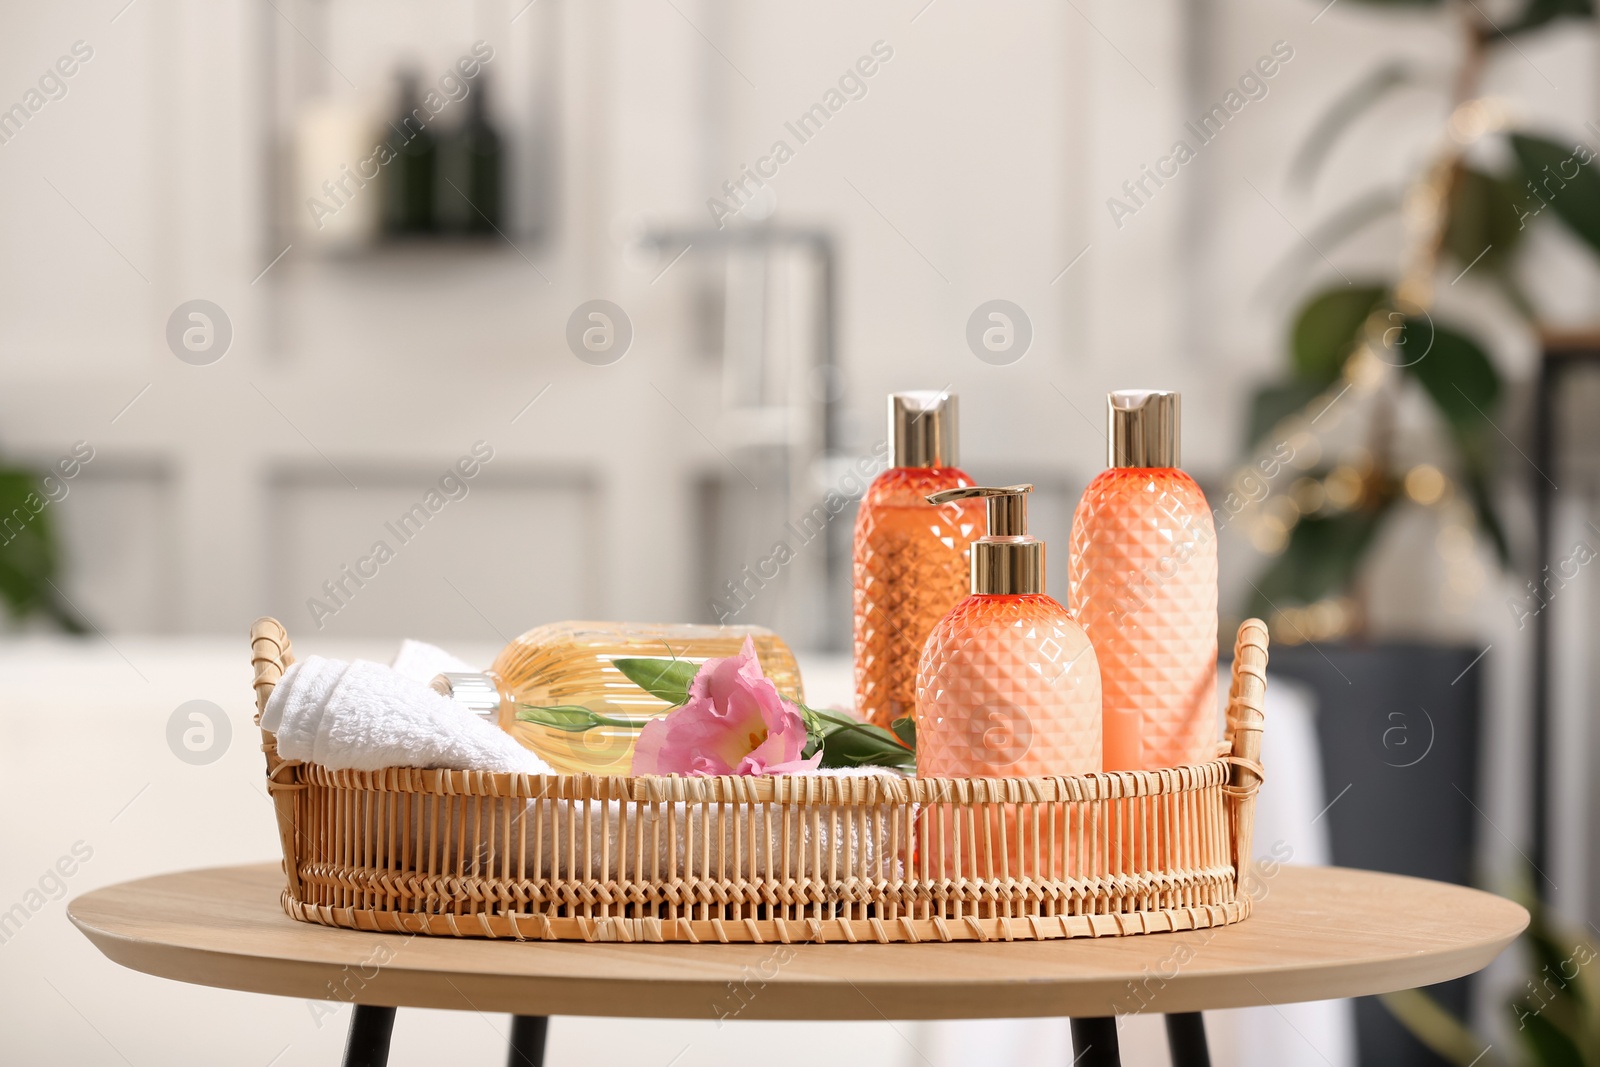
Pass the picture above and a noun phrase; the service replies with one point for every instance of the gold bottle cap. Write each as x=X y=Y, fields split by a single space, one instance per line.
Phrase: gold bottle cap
x=1005 y=561
x=922 y=429
x=1144 y=428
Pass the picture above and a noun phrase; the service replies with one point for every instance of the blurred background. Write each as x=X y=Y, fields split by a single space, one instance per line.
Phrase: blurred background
x=270 y=268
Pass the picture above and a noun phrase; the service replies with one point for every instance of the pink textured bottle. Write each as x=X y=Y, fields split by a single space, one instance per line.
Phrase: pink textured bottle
x=1008 y=685
x=910 y=557
x=1143 y=582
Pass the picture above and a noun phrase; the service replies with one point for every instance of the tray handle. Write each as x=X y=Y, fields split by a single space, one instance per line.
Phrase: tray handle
x=1246 y=700
x=270 y=655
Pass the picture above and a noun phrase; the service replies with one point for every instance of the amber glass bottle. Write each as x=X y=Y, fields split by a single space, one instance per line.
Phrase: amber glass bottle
x=571 y=663
x=910 y=563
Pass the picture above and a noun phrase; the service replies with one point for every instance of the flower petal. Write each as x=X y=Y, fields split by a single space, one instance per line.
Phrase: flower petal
x=648 y=751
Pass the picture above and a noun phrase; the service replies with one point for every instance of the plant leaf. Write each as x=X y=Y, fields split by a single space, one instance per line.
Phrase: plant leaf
x=906 y=730
x=815 y=734
x=1547 y=1044
x=1320 y=560
x=1342 y=114
x=667 y=679
x=1539 y=12
x=571 y=718
x=29 y=559
x=848 y=743
x=1476 y=478
x=1326 y=329
x=1458 y=375
x=1512 y=290
x=1271 y=404
x=1483 y=227
x=1434 y=1026
x=1565 y=185
x=1463 y=384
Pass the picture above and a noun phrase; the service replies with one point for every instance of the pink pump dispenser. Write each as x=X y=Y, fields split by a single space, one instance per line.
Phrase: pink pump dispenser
x=1143 y=582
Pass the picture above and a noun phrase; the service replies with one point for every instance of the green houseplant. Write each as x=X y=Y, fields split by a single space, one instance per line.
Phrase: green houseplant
x=1362 y=348
x=30 y=555
x=1465 y=212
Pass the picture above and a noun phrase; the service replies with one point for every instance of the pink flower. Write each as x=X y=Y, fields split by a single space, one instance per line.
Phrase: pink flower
x=733 y=723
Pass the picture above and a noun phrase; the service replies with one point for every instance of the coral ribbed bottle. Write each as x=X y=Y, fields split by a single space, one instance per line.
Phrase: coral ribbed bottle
x=1143 y=583
x=910 y=559
x=1008 y=687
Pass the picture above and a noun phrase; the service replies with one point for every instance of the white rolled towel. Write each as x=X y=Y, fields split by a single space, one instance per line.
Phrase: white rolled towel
x=422 y=662
x=364 y=716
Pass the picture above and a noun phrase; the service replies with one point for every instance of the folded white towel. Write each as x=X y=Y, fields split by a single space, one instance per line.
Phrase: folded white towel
x=422 y=662
x=364 y=716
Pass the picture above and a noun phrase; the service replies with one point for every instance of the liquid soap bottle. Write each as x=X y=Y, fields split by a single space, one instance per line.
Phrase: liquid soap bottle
x=570 y=663
x=910 y=556
x=1143 y=582
x=1008 y=684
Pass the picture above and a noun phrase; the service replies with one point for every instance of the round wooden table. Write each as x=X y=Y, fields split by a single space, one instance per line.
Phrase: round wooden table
x=1316 y=934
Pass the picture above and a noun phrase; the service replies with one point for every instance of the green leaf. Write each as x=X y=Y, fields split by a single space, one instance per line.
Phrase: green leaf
x=1570 y=188
x=1475 y=476
x=1327 y=328
x=1483 y=227
x=1433 y=1025
x=571 y=718
x=815 y=734
x=1547 y=1044
x=29 y=556
x=1458 y=375
x=1539 y=12
x=848 y=743
x=1320 y=560
x=667 y=679
x=1554 y=957
x=1463 y=384
x=1516 y=296
x=1342 y=114
x=906 y=730
x=1271 y=404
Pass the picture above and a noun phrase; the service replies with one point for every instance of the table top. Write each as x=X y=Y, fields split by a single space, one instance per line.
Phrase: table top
x=1316 y=933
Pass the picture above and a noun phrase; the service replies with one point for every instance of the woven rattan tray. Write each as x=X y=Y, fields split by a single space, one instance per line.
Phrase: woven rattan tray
x=785 y=859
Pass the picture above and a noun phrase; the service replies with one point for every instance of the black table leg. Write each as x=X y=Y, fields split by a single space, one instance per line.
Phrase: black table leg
x=1186 y=1040
x=1094 y=1043
x=527 y=1040
x=368 y=1043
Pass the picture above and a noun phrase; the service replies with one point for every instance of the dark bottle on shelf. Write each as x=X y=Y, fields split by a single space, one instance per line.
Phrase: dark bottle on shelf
x=412 y=173
x=470 y=198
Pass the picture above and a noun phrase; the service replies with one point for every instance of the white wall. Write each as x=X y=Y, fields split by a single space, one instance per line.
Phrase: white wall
x=978 y=166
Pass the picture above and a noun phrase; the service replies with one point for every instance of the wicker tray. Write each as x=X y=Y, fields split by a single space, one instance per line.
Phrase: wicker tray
x=785 y=859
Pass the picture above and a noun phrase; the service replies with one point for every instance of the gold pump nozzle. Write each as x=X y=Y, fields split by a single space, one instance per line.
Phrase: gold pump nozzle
x=1005 y=561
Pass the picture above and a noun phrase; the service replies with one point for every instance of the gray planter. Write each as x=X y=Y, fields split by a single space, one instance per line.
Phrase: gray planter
x=1399 y=729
